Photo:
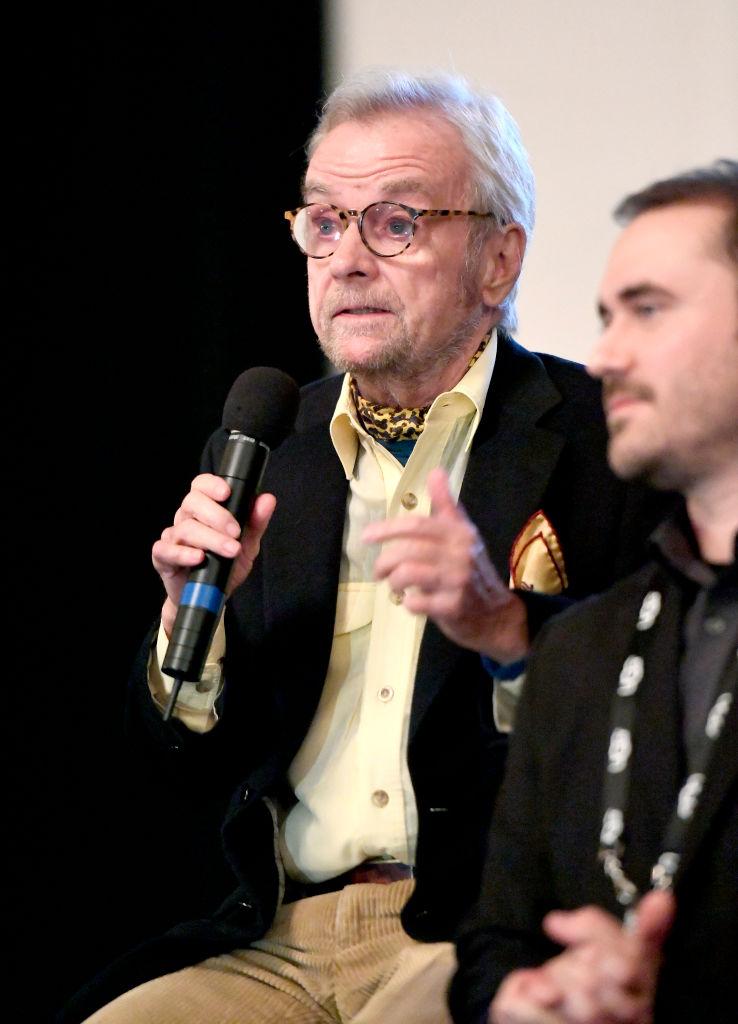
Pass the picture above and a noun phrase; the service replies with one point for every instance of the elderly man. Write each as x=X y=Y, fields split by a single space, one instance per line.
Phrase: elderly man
x=346 y=700
x=621 y=796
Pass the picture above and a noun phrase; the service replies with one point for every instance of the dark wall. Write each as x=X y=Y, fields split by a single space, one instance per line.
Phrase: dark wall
x=151 y=158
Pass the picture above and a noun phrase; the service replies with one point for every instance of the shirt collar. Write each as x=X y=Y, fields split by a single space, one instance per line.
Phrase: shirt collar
x=676 y=546
x=345 y=427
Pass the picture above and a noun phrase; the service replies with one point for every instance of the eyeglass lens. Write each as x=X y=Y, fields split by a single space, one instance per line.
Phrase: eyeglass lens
x=386 y=228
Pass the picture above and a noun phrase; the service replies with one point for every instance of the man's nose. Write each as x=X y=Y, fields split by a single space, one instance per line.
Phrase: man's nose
x=352 y=257
x=612 y=353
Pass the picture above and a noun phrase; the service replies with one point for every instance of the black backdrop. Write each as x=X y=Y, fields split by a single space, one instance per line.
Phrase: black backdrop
x=151 y=157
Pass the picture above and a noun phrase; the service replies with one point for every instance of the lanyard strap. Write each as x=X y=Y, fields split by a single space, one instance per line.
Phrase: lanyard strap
x=617 y=775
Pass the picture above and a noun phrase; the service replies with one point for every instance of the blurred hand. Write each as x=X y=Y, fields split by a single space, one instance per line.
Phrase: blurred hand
x=606 y=975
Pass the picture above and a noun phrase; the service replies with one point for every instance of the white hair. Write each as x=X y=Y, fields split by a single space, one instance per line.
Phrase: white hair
x=502 y=180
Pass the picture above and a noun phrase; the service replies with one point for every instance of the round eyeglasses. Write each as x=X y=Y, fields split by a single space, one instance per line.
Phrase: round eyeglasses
x=386 y=229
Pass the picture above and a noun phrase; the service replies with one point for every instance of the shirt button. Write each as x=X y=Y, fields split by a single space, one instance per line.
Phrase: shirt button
x=386 y=693
x=409 y=500
x=380 y=798
x=714 y=625
x=397 y=596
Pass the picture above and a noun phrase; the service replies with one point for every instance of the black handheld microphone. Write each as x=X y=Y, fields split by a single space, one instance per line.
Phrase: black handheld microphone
x=259 y=413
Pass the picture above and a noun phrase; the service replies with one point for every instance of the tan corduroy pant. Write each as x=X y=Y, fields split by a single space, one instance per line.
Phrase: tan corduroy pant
x=343 y=956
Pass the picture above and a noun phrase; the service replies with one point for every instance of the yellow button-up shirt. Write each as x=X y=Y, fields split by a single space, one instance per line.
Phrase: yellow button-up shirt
x=354 y=797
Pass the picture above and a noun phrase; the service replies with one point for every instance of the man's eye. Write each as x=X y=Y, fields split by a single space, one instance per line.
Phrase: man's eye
x=645 y=310
x=400 y=227
x=324 y=226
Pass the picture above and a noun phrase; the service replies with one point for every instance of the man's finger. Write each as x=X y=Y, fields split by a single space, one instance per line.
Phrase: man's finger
x=654 y=917
x=403 y=527
x=262 y=512
x=442 y=502
x=572 y=927
x=526 y=997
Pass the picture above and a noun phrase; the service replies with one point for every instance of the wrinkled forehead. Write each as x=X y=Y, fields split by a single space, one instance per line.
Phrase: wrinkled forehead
x=415 y=157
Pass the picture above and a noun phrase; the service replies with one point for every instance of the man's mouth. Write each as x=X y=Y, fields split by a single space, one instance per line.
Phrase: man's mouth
x=619 y=398
x=360 y=311
x=620 y=401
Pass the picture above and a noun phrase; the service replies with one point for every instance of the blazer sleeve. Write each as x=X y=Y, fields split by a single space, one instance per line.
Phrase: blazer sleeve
x=180 y=751
x=503 y=930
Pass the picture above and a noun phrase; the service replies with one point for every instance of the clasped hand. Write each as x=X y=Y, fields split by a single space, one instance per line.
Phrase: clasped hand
x=607 y=973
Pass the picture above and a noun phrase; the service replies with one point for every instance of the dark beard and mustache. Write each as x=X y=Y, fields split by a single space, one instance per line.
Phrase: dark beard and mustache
x=629 y=464
x=660 y=468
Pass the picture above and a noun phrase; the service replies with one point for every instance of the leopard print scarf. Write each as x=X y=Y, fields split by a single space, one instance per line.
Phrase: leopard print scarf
x=387 y=423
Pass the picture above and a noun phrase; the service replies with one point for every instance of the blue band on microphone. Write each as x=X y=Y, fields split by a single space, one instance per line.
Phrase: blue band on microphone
x=202 y=595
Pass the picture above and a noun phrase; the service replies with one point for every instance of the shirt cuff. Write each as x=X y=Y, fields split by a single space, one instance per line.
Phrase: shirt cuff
x=195 y=706
x=507 y=687
x=505 y=697
x=504 y=672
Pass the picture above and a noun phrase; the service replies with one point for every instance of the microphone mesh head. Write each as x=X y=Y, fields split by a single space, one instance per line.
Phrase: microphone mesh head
x=262 y=403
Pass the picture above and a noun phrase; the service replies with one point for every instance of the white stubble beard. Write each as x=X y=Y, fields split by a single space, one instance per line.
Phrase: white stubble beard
x=396 y=355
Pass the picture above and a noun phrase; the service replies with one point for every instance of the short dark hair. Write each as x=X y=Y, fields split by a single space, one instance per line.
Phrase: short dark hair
x=717 y=181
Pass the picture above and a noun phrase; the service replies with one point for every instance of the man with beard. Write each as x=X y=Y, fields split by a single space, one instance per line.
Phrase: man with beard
x=346 y=702
x=611 y=886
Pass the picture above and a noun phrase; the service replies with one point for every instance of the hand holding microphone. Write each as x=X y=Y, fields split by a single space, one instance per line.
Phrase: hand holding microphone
x=200 y=558
x=203 y=524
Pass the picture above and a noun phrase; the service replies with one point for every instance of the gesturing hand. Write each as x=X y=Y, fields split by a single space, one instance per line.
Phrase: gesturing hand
x=441 y=565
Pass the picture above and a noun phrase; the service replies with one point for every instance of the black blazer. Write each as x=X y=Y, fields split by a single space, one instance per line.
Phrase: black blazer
x=540 y=445
x=544 y=836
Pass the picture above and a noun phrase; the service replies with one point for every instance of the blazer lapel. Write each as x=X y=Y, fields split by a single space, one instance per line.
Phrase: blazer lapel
x=510 y=465
x=512 y=457
x=658 y=760
x=301 y=555
x=720 y=785
x=659 y=767
x=308 y=523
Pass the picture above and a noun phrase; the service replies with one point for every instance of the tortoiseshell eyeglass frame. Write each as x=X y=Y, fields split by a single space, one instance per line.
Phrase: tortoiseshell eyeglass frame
x=346 y=215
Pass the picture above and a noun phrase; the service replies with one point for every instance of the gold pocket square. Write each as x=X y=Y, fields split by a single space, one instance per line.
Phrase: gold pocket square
x=536 y=560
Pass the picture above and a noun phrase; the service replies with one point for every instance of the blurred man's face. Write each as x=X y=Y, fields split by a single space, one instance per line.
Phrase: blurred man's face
x=668 y=354
x=401 y=314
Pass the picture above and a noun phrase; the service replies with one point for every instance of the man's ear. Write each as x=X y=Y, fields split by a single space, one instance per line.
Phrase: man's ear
x=502 y=259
